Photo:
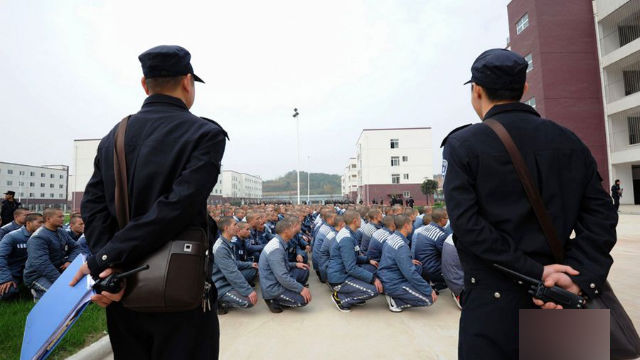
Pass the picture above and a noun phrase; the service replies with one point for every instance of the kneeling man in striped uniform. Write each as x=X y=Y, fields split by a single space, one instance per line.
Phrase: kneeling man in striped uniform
x=404 y=287
x=233 y=288
x=282 y=281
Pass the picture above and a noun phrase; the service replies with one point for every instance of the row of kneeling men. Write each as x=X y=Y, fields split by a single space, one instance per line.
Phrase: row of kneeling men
x=356 y=251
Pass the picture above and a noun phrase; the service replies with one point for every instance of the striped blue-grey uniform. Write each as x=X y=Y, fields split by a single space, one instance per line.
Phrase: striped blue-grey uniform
x=279 y=278
x=374 y=252
x=399 y=276
x=367 y=231
x=233 y=288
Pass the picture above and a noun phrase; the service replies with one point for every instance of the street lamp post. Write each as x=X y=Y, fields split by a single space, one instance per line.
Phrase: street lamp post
x=295 y=116
x=308 y=179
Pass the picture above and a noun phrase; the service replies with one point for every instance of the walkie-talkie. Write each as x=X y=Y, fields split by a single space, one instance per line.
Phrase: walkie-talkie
x=556 y=294
x=113 y=283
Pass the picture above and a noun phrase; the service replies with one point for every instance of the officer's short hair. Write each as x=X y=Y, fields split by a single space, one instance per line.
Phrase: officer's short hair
x=224 y=222
x=387 y=221
x=50 y=212
x=373 y=213
x=503 y=94
x=438 y=214
x=33 y=217
x=286 y=224
x=401 y=220
x=164 y=84
x=426 y=219
x=350 y=216
x=617 y=181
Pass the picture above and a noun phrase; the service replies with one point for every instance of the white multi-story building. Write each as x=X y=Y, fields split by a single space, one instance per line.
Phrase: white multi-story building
x=393 y=163
x=84 y=150
x=350 y=179
x=618 y=32
x=36 y=187
x=240 y=185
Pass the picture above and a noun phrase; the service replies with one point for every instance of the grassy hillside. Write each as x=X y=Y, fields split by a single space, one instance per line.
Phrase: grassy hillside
x=321 y=184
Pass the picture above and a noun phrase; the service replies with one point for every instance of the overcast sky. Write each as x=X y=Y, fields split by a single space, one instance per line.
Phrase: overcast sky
x=69 y=71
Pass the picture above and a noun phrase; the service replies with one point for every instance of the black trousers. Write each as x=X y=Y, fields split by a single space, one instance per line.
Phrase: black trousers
x=616 y=203
x=489 y=321
x=191 y=334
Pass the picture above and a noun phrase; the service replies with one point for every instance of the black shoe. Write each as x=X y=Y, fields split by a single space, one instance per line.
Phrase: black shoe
x=306 y=285
x=222 y=309
x=338 y=303
x=273 y=306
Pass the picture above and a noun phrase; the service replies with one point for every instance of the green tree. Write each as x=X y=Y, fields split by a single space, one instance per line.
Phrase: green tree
x=429 y=187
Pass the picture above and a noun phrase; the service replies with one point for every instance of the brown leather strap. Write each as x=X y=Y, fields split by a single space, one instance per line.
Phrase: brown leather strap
x=532 y=191
x=120 y=171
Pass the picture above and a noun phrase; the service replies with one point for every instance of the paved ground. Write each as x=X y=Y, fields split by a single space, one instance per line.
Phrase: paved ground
x=373 y=332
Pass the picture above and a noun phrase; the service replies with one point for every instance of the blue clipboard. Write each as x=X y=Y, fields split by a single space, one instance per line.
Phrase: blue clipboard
x=55 y=313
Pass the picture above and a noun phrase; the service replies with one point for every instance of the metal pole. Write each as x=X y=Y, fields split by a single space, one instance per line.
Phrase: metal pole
x=308 y=179
x=295 y=115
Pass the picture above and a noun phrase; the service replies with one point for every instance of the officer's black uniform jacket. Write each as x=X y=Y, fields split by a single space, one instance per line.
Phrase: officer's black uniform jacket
x=173 y=162
x=490 y=214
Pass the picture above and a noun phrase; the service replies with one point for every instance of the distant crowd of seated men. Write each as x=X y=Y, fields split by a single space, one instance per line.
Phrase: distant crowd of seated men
x=358 y=251
x=36 y=248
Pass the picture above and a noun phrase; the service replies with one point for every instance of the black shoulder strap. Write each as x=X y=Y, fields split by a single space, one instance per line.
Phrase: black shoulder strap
x=532 y=191
x=120 y=171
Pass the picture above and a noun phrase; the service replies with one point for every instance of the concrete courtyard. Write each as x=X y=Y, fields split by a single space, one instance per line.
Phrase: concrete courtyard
x=320 y=331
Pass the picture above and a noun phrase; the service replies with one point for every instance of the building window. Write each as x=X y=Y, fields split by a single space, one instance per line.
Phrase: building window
x=52 y=176
x=61 y=196
x=395 y=161
x=61 y=176
x=31 y=195
x=405 y=158
x=529 y=59
x=32 y=173
x=21 y=173
x=634 y=129
x=41 y=184
x=353 y=166
x=9 y=182
x=395 y=178
x=42 y=195
x=9 y=171
x=61 y=186
x=406 y=194
x=32 y=184
x=354 y=176
x=405 y=176
x=522 y=24
x=43 y=175
x=51 y=186
x=395 y=143
x=21 y=183
x=531 y=102
x=51 y=195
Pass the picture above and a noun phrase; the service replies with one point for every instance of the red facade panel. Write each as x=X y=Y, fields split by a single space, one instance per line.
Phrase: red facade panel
x=565 y=79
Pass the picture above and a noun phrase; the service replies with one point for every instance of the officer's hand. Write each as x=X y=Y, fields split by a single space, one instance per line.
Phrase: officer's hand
x=254 y=265
x=562 y=280
x=434 y=296
x=4 y=288
x=299 y=258
x=103 y=299
x=416 y=262
x=374 y=263
x=65 y=266
x=378 y=285
x=306 y=294
x=557 y=268
x=301 y=265
x=253 y=298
